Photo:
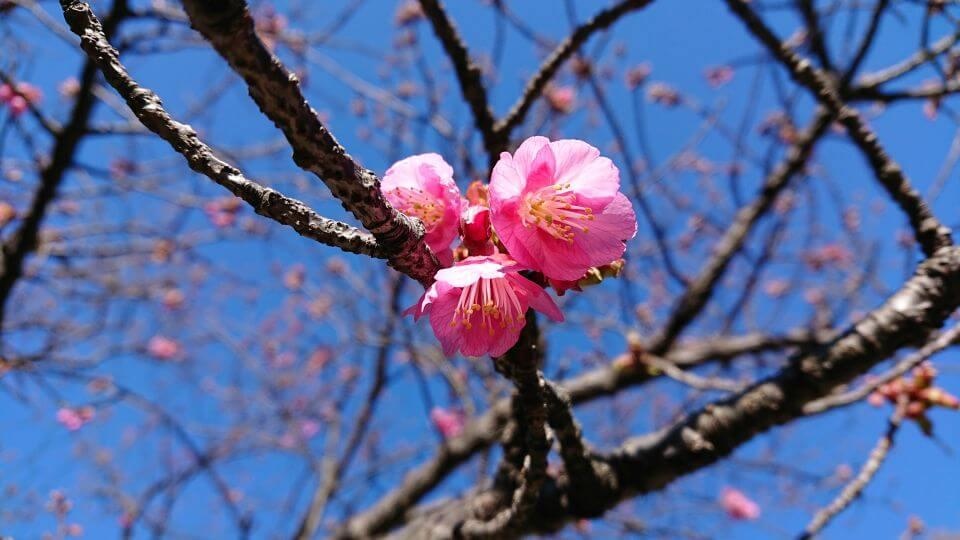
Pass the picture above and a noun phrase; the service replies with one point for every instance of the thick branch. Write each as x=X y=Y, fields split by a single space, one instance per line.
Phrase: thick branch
x=228 y=26
x=484 y=431
x=650 y=463
x=148 y=108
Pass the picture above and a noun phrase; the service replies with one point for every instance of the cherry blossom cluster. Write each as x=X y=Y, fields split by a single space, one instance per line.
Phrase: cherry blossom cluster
x=552 y=214
x=920 y=395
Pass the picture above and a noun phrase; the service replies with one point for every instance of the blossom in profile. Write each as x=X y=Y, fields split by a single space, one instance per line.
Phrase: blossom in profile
x=478 y=306
x=448 y=421
x=475 y=230
x=422 y=186
x=557 y=207
x=737 y=505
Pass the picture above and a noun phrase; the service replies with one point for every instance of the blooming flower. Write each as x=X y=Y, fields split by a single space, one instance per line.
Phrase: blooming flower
x=448 y=421
x=737 y=505
x=478 y=306
x=422 y=186
x=557 y=207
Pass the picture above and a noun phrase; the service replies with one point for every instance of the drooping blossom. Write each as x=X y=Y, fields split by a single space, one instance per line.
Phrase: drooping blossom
x=448 y=421
x=75 y=418
x=422 y=186
x=557 y=207
x=737 y=505
x=163 y=348
x=478 y=306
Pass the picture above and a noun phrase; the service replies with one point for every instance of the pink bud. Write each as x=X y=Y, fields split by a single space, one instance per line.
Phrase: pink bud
x=448 y=421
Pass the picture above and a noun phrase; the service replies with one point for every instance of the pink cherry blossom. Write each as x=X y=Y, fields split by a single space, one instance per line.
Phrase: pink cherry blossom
x=75 y=418
x=478 y=306
x=163 y=348
x=448 y=421
x=557 y=207
x=422 y=186
x=737 y=505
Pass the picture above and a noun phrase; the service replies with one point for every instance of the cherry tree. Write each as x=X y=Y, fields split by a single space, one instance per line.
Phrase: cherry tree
x=531 y=287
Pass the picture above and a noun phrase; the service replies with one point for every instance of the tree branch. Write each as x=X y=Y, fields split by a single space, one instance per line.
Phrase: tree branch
x=929 y=232
x=148 y=108
x=534 y=87
x=228 y=26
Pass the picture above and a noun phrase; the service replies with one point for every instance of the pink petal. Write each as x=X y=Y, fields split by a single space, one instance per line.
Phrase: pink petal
x=526 y=153
x=506 y=183
x=542 y=169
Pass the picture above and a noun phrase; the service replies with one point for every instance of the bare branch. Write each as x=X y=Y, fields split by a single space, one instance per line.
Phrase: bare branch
x=228 y=26
x=930 y=233
x=856 y=486
x=534 y=87
x=148 y=108
x=468 y=73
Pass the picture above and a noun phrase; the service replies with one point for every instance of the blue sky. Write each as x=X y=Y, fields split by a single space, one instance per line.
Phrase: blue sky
x=38 y=455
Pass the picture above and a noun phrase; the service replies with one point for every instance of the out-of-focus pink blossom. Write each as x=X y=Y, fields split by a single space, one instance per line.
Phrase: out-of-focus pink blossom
x=448 y=421
x=663 y=94
x=294 y=278
x=163 y=348
x=19 y=97
x=222 y=212
x=737 y=505
x=718 y=76
x=309 y=428
x=422 y=186
x=637 y=75
x=7 y=213
x=557 y=207
x=408 y=12
x=831 y=254
x=75 y=418
x=172 y=299
x=562 y=99
x=69 y=87
x=478 y=306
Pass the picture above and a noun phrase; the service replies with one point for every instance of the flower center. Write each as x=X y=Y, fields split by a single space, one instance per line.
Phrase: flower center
x=491 y=300
x=551 y=209
x=419 y=204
